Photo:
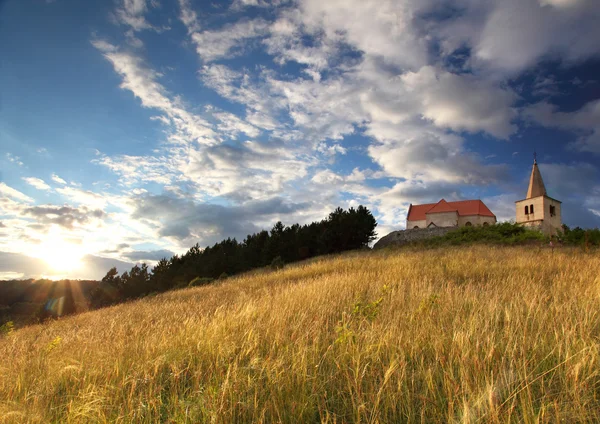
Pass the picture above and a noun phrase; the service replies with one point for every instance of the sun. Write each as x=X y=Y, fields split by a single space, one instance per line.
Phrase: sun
x=61 y=255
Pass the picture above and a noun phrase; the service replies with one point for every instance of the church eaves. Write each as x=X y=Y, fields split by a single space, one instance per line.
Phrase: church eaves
x=536 y=184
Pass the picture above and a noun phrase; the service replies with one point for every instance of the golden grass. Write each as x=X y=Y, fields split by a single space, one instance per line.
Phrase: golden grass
x=476 y=334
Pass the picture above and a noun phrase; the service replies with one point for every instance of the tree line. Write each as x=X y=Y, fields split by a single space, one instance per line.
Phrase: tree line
x=342 y=230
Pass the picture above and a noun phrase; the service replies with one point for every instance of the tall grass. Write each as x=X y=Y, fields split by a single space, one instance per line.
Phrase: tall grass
x=470 y=334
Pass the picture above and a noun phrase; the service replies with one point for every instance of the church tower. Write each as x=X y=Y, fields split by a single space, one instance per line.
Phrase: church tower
x=539 y=210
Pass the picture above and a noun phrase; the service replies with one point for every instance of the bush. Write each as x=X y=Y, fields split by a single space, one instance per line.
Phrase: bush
x=504 y=233
x=277 y=263
x=7 y=328
x=223 y=276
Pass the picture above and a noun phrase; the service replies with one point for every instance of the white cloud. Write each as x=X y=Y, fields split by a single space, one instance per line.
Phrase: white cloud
x=232 y=125
x=462 y=102
x=58 y=180
x=188 y=16
x=37 y=183
x=132 y=13
x=383 y=29
x=14 y=159
x=142 y=82
x=228 y=41
x=138 y=169
x=509 y=36
x=14 y=194
x=83 y=197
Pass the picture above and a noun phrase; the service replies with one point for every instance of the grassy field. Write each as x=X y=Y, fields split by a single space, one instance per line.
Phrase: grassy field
x=464 y=334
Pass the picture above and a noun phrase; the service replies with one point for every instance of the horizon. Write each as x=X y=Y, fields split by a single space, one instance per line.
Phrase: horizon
x=132 y=130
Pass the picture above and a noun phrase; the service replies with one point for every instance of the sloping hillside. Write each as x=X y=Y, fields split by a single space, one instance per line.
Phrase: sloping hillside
x=489 y=334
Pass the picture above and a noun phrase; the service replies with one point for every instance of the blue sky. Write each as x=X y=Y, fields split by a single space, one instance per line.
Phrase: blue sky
x=133 y=129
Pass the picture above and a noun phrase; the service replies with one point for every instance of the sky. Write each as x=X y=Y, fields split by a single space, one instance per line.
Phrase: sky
x=131 y=130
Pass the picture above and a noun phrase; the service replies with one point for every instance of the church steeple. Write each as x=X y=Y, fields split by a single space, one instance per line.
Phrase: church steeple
x=539 y=210
x=536 y=184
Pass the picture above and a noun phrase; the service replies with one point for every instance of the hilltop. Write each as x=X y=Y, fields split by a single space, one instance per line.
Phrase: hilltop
x=478 y=333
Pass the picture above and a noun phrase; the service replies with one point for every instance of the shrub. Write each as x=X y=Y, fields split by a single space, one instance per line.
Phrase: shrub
x=277 y=263
x=504 y=233
x=223 y=276
x=7 y=328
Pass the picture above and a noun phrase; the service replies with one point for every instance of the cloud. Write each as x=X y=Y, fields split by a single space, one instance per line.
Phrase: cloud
x=232 y=125
x=586 y=120
x=96 y=267
x=262 y=104
x=137 y=169
x=14 y=194
x=132 y=13
x=249 y=170
x=65 y=216
x=228 y=41
x=188 y=222
x=188 y=16
x=462 y=102
x=18 y=265
x=14 y=159
x=511 y=36
x=83 y=197
x=142 y=82
x=148 y=256
x=37 y=183
x=58 y=180
x=382 y=29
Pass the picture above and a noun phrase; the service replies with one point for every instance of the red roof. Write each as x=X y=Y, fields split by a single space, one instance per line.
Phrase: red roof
x=462 y=207
x=442 y=206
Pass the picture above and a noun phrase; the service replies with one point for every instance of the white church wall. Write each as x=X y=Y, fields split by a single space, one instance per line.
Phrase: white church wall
x=443 y=219
x=412 y=224
x=475 y=220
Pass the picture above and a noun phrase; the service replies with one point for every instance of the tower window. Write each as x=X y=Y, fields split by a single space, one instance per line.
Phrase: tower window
x=526 y=210
x=530 y=208
x=552 y=210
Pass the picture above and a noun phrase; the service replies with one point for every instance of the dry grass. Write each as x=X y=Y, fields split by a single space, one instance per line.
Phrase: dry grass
x=477 y=334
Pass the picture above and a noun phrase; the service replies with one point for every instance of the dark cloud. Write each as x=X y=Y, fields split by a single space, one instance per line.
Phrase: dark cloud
x=189 y=222
x=578 y=187
x=22 y=264
x=65 y=216
x=153 y=255
x=96 y=267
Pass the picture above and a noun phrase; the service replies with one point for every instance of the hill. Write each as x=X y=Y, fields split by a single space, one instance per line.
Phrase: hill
x=479 y=333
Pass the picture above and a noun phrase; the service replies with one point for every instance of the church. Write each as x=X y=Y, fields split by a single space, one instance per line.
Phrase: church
x=463 y=213
x=539 y=210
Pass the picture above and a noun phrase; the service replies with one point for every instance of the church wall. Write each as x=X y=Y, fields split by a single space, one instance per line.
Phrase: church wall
x=541 y=213
x=475 y=220
x=538 y=210
x=443 y=219
x=411 y=224
x=552 y=221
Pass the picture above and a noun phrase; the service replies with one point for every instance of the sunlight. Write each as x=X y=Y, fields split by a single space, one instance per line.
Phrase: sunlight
x=61 y=255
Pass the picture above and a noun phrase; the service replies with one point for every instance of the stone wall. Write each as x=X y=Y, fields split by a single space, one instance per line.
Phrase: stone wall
x=398 y=238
